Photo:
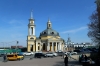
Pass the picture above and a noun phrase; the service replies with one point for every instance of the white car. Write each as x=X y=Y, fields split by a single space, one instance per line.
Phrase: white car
x=49 y=54
x=55 y=54
x=73 y=53
x=66 y=53
x=28 y=53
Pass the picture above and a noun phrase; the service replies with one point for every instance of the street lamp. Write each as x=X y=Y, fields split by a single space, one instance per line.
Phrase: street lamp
x=17 y=46
x=84 y=45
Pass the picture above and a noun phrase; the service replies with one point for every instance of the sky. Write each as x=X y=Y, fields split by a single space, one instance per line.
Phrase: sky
x=67 y=17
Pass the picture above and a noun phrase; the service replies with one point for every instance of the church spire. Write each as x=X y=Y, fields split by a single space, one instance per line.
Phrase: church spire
x=31 y=14
x=69 y=40
x=48 y=19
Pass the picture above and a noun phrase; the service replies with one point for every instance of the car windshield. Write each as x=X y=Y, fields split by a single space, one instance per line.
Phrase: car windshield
x=38 y=53
x=19 y=54
x=10 y=55
x=28 y=52
x=49 y=53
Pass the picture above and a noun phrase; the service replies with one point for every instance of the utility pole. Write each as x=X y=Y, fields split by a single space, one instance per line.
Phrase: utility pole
x=17 y=46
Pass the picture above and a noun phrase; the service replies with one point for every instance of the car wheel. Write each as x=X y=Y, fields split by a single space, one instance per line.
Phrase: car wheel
x=22 y=58
x=18 y=59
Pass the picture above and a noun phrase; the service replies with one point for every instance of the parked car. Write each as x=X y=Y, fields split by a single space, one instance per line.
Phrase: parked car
x=28 y=53
x=60 y=53
x=55 y=54
x=14 y=57
x=39 y=55
x=73 y=53
x=49 y=54
x=66 y=53
x=21 y=55
x=1 y=54
x=78 y=51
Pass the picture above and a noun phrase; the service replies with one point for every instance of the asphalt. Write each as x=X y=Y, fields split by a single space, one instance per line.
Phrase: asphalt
x=56 y=61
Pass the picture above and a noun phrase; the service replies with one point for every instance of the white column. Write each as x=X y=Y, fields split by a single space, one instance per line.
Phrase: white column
x=28 y=30
x=60 y=46
x=33 y=30
x=52 y=47
x=48 y=46
x=56 y=46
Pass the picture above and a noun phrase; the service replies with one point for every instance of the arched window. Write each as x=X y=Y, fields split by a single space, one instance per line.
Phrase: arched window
x=31 y=38
x=44 y=32
x=52 y=32
x=49 y=25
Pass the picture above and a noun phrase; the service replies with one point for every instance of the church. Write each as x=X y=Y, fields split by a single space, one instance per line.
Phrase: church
x=48 y=40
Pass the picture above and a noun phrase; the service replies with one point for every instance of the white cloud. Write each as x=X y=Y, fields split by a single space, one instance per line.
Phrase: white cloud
x=74 y=30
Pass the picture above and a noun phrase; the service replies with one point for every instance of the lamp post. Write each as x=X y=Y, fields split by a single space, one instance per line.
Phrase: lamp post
x=84 y=45
x=17 y=46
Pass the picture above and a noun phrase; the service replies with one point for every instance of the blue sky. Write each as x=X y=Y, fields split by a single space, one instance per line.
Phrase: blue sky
x=67 y=17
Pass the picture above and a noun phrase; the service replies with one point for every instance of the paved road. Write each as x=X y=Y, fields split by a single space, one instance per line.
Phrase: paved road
x=56 y=61
x=26 y=57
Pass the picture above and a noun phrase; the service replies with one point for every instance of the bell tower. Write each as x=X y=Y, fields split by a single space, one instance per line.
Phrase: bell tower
x=31 y=26
x=31 y=34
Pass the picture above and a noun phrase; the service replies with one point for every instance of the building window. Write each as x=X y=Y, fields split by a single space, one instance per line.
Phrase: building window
x=38 y=47
x=52 y=32
x=44 y=32
x=31 y=38
x=49 y=25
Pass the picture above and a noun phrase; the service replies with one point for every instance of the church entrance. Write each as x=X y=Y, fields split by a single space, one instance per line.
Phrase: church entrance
x=43 y=46
x=31 y=48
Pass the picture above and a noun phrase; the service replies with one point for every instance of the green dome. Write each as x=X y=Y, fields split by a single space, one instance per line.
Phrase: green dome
x=49 y=32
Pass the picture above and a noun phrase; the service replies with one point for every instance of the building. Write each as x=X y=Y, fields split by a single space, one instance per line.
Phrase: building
x=49 y=39
x=14 y=47
x=70 y=46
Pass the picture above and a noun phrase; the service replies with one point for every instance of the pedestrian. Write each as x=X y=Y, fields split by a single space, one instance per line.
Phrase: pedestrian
x=5 y=58
x=85 y=57
x=66 y=61
x=70 y=55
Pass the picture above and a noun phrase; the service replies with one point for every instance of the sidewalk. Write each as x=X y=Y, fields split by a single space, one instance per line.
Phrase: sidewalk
x=73 y=62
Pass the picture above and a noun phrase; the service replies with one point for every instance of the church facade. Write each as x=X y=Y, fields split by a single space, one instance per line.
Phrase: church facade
x=49 y=39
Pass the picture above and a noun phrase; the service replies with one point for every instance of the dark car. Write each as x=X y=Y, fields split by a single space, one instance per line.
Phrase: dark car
x=78 y=51
x=1 y=55
x=39 y=55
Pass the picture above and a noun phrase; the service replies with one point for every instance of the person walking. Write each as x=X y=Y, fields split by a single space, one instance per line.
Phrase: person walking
x=5 y=58
x=66 y=61
x=70 y=55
